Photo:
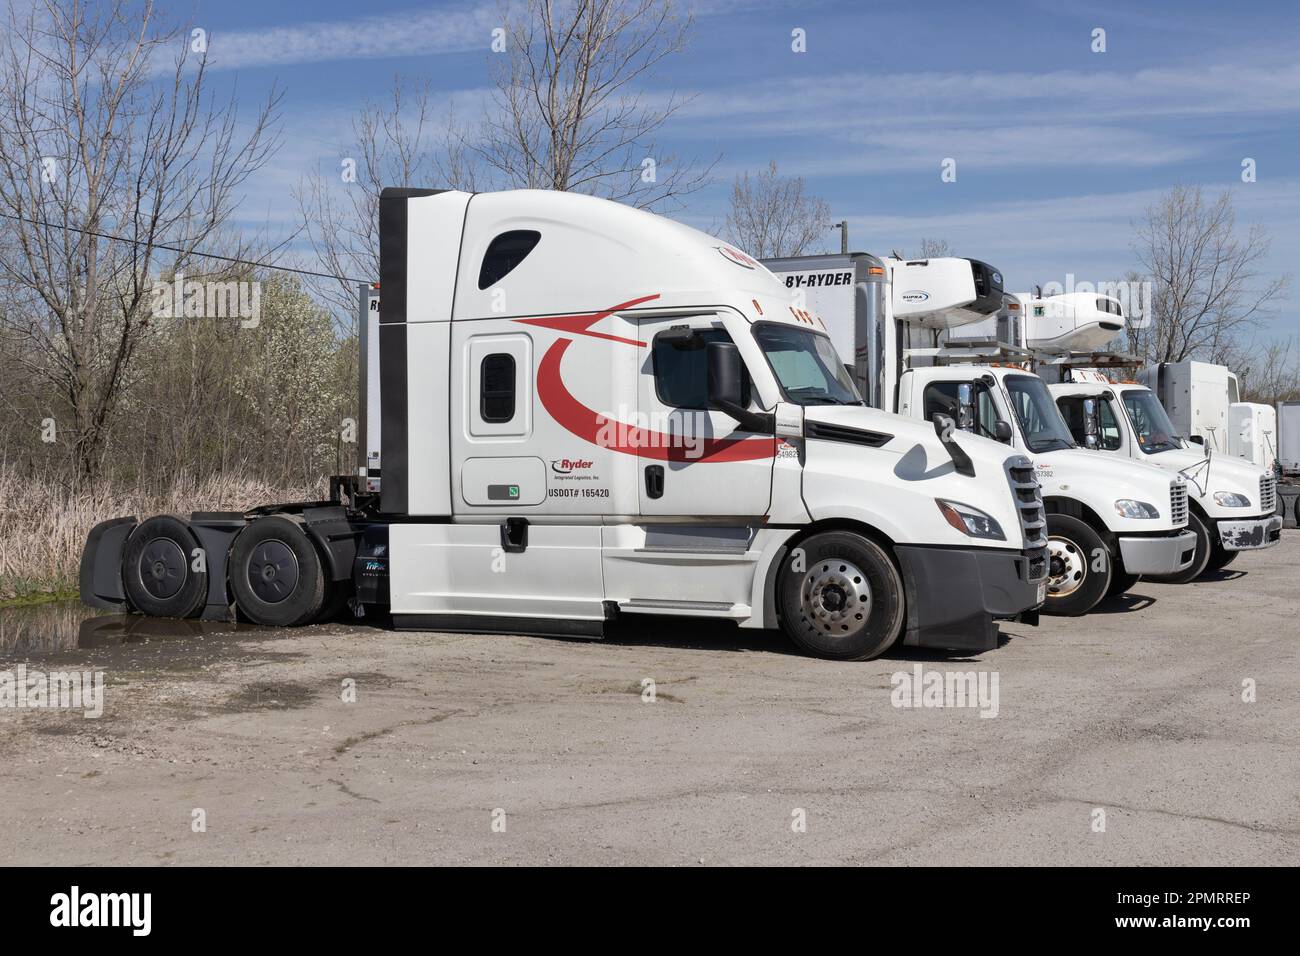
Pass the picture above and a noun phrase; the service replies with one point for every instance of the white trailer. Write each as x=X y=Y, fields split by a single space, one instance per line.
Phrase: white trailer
x=1131 y=513
x=589 y=411
x=1252 y=433
x=1197 y=396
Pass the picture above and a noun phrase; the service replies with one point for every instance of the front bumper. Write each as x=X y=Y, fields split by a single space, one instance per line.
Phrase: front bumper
x=1250 y=534
x=955 y=594
x=1158 y=554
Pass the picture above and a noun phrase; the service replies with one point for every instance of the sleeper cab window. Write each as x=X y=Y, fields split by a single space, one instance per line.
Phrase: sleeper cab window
x=497 y=387
x=681 y=367
x=504 y=253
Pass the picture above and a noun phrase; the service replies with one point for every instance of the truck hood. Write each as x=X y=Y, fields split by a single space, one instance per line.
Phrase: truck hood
x=906 y=433
x=1078 y=468
x=1226 y=473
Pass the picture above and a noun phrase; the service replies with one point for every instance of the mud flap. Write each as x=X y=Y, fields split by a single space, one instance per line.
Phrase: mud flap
x=99 y=578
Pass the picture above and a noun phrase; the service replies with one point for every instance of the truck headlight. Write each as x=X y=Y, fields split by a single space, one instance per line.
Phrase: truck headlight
x=970 y=521
x=1128 y=508
x=1228 y=499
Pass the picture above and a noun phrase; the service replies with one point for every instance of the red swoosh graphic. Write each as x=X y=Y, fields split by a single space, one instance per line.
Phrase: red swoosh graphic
x=588 y=424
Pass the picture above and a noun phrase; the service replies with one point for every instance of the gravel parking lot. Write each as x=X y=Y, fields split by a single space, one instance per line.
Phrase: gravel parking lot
x=498 y=749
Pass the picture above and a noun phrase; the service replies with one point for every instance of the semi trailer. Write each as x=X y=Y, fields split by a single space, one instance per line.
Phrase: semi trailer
x=587 y=411
x=905 y=328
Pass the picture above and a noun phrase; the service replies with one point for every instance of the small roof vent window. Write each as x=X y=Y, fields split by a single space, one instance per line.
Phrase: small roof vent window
x=504 y=253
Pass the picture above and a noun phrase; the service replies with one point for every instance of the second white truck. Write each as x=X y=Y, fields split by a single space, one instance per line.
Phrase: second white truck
x=893 y=320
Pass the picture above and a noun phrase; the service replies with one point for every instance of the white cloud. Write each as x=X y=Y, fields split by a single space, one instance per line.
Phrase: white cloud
x=460 y=29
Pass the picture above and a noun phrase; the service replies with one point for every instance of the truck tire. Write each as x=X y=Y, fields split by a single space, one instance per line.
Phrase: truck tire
x=157 y=569
x=1220 y=558
x=1074 y=586
x=1199 y=560
x=276 y=574
x=840 y=597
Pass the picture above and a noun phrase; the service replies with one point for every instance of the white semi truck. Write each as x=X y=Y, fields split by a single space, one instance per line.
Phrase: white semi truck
x=588 y=411
x=909 y=330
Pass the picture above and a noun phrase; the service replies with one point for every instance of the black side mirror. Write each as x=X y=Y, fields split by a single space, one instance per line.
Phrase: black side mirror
x=726 y=375
x=1199 y=439
x=1002 y=431
x=725 y=371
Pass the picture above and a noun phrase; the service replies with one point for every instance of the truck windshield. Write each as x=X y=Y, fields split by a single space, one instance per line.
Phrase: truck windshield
x=1155 y=433
x=1039 y=418
x=806 y=365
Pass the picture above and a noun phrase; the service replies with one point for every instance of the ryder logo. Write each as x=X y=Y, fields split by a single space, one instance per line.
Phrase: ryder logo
x=738 y=257
x=567 y=466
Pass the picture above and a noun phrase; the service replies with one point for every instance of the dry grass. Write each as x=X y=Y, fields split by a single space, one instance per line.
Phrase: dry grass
x=43 y=525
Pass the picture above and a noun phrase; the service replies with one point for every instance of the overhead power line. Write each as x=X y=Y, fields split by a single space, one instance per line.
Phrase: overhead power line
x=178 y=249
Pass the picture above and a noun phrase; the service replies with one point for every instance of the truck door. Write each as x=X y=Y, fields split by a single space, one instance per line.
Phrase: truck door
x=943 y=398
x=693 y=460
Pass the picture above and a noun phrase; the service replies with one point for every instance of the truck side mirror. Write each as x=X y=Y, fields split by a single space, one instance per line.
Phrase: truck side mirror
x=1199 y=439
x=1091 y=427
x=965 y=406
x=726 y=372
x=1002 y=431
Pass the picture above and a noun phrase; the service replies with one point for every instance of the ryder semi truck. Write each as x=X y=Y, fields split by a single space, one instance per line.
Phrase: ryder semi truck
x=901 y=326
x=587 y=411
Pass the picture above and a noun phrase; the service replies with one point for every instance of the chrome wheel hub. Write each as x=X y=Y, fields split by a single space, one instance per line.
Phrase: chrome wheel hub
x=836 y=598
x=1067 y=567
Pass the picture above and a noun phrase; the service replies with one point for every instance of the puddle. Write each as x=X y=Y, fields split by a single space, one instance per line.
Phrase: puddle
x=45 y=629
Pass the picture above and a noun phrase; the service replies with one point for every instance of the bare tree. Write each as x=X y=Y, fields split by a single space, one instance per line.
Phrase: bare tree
x=773 y=215
x=934 y=249
x=1269 y=373
x=105 y=129
x=1206 y=287
x=567 y=111
x=402 y=141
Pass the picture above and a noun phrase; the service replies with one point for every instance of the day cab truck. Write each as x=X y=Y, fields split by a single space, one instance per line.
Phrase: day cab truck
x=899 y=324
x=1232 y=503
x=588 y=411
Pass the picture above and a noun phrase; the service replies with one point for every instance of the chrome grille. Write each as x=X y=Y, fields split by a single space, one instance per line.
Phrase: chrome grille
x=1178 y=502
x=1267 y=494
x=1029 y=502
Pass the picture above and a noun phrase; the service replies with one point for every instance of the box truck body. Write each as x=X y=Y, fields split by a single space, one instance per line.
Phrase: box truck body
x=588 y=411
x=1197 y=396
x=1252 y=433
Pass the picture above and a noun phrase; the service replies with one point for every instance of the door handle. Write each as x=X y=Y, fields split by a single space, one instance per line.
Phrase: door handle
x=654 y=481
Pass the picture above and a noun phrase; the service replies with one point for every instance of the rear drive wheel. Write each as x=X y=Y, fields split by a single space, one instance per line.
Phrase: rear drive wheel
x=1220 y=558
x=1074 y=585
x=276 y=573
x=840 y=597
x=1199 y=560
x=158 y=569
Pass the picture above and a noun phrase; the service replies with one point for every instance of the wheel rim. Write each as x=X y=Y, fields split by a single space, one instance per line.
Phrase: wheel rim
x=162 y=568
x=836 y=598
x=273 y=571
x=1067 y=567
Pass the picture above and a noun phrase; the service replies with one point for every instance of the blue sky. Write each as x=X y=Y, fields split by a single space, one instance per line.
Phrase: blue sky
x=1058 y=149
